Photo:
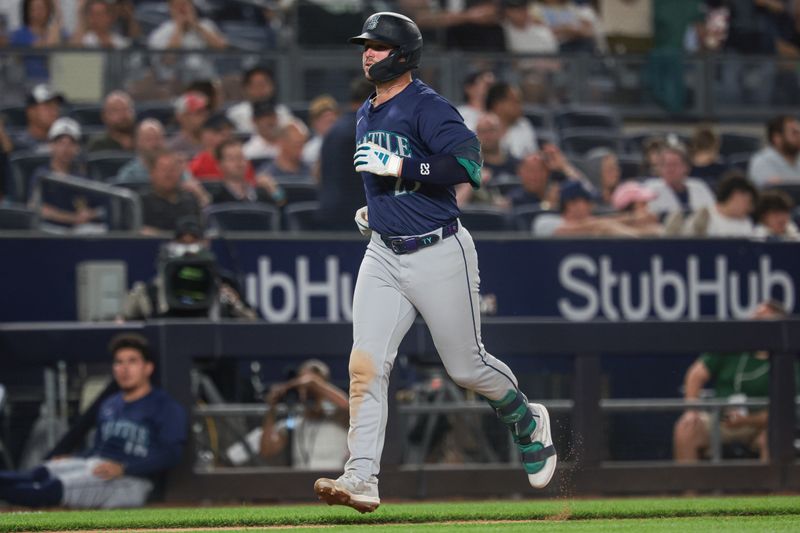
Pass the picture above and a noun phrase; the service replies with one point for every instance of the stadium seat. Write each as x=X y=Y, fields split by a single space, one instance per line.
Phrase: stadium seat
x=14 y=116
x=539 y=117
x=164 y=112
x=104 y=165
x=596 y=118
x=301 y=216
x=630 y=166
x=88 y=116
x=738 y=143
x=634 y=142
x=18 y=217
x=740 y=161
x=23 y=165
x=213 y=187
x=485 y=218
x=523 y=216
x=299 y=192
x=139 y=187
x=792 y=189
x=545 y=136
x=243 y=216
x=579 y=141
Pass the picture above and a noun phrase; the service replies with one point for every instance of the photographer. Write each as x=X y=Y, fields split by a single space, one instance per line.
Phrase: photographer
x=188 y=283
x=316 y=423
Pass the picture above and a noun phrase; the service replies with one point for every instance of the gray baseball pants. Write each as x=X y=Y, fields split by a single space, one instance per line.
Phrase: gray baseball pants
x=441 y=283
x=84 y=490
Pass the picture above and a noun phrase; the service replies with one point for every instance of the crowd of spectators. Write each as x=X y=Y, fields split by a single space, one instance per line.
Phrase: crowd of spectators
x=685 y=184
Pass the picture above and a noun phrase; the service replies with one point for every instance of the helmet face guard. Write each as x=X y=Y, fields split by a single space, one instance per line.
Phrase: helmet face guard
x=397 y=31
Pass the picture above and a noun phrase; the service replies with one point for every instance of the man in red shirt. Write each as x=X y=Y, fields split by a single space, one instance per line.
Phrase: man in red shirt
x=216 y=130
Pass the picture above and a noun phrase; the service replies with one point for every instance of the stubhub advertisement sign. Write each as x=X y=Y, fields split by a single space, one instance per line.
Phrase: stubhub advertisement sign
x=313 y=279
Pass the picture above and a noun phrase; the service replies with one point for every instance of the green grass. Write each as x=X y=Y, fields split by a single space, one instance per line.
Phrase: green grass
x=770 y=513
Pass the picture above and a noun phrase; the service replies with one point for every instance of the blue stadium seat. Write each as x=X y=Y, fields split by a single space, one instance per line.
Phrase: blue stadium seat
x=792 y=189
x=299 y=192
x=301 y=216
x=105 y=164
x=540 y=117
x=485 y=218
x=243 y=216
x=579 y=141
x=523 y=216
x=18 y=217
x=88 y=115
x=14 y=116
x=738 y=143
x=23 y=165
x=164 y=112
x=589 y=117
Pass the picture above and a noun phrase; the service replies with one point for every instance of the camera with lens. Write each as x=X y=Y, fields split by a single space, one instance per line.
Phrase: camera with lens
x=190 y=285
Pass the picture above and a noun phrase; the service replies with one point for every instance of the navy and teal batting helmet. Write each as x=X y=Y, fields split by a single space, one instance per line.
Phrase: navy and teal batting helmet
x=399 y=32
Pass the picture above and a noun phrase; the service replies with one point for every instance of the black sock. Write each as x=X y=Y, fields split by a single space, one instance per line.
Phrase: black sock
x=34 y=493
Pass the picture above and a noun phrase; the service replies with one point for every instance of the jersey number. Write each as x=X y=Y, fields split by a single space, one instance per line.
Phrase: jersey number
x=402 y=186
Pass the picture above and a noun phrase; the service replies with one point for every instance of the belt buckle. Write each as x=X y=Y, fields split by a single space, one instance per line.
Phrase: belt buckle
x=397 y=246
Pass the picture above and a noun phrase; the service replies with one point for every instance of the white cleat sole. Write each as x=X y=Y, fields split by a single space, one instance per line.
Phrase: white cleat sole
x=542 y=434
x=332 y=493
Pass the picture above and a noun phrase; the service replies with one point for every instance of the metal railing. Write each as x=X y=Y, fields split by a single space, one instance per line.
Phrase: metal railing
x=131 y=222
x=654 y=86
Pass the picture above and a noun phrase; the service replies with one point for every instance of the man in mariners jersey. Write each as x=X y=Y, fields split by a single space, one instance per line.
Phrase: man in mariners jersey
x=140 y=434
x=413 y=148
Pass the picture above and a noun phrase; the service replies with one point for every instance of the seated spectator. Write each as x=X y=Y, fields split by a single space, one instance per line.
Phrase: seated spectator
x=167 y=201
x=237 y=188
x=475 y=87
x=707 y=163
x=535 y=186
x=263 y=144
x=149 y=140
x=152 y=299
x=125 y=22
x=652 y=157
x=61 y=207
x=140 y=435
x=288 y=164
x=119 y=118
x=323 y=111
x=96 y=27
x=780 y=161
x=42 y=108
x=525 y=32
x=497 y=163
x=576 y=206
x=186 y=30
x=605 y=173
x=316 y=426
x=773 y=216
x=505 y=101
x=191 y=112
x=572 y=26
x=216 y=130
x=737 y=377
x=258 y=84
x=631 y=202
x=485 y=195
x=472 y=25
x=676 y=191
x=730 y=216
x=41 y=25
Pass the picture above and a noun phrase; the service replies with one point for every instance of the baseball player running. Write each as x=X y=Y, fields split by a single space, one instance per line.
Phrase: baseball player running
x=140 y=434
x=412 y=148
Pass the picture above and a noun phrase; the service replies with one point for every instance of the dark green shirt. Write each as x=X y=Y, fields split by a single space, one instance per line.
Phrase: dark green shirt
x=740 y=373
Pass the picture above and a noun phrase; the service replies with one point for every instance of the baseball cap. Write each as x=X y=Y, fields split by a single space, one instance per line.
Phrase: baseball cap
x=65 y=126
x=574 y=190
x=629 y=192
x=191 y=102
x=263 y=108
x=217 y=122
x=42 y=93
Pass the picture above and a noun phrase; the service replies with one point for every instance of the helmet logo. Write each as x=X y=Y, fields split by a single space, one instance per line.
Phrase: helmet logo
x=372 y=23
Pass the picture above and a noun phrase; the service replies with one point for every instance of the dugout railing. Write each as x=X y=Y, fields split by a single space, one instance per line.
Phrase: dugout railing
x=180 y=342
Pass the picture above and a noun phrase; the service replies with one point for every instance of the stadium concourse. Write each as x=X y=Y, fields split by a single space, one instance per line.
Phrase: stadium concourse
x=184 y=170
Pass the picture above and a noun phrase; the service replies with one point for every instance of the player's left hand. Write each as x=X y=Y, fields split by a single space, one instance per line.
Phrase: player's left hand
x=370 y=157
x=108 y=470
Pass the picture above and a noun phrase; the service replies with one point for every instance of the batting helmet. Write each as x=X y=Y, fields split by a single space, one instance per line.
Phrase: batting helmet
x=398 y=31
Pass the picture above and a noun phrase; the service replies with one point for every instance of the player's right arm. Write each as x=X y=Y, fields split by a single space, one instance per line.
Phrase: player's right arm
x=697 y=376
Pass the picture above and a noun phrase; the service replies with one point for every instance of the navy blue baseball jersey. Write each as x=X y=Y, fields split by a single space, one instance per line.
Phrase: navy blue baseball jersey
x=145 y=435
x=417 y=123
